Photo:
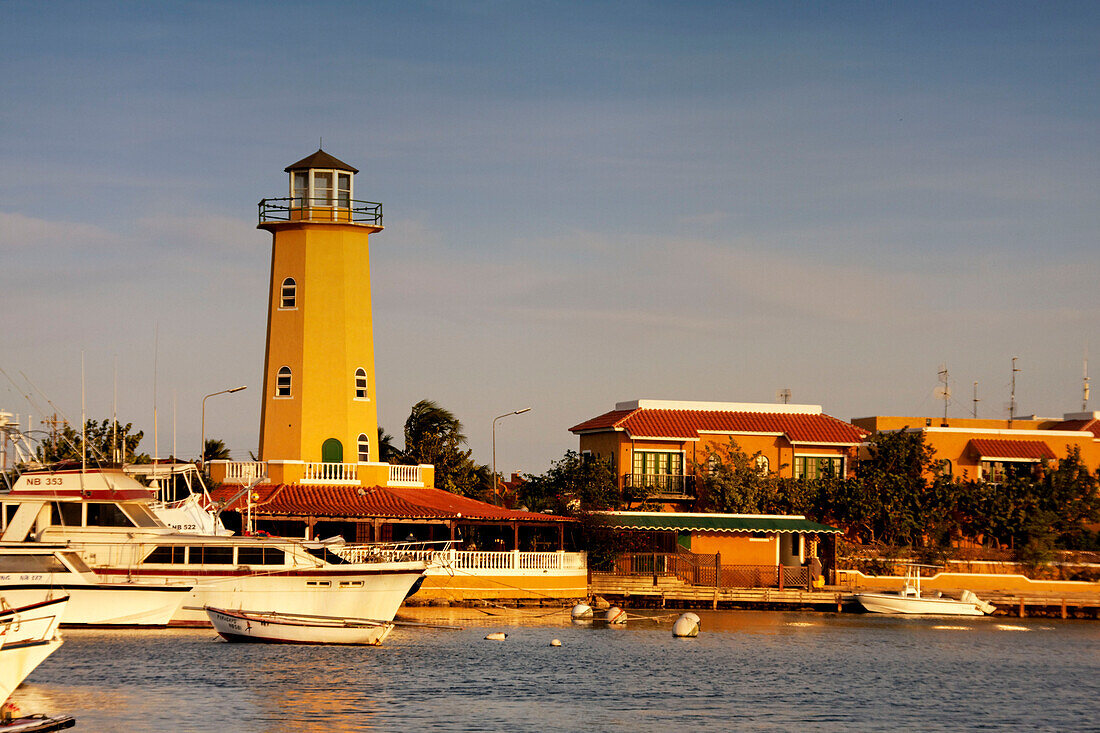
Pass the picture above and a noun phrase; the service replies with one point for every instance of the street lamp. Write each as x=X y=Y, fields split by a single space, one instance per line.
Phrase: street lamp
x=202 y=432
x=496 y=484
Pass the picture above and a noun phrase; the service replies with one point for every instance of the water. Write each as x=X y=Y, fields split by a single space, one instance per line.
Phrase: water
x=746 y=671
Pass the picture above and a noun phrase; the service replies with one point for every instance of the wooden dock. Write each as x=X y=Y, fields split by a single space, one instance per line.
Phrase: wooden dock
x=665 y=591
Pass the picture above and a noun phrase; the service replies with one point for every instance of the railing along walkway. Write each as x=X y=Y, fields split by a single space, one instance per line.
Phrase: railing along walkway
x=475 y=561
x=705 y=570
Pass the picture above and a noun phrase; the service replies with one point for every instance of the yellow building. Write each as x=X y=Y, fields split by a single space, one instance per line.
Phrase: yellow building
x=989 y=450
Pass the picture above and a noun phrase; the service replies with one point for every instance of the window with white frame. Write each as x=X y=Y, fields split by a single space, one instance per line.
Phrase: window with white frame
x=364 y=448
x=360 y=384
x=288 y=294
x=282 y=382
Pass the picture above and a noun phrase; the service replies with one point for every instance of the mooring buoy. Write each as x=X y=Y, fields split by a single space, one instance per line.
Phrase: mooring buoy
x=686 y=626
x=496 y=636
x=581 y=612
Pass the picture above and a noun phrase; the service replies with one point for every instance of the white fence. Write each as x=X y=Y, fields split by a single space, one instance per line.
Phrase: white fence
x=472 y=561
x=405 y=476
x=331 y=473
x=244 y=471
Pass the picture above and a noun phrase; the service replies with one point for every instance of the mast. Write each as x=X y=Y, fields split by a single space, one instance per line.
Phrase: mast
x=1085 y=386
x=83 y=426
x=1012 y=394
x=976 y=400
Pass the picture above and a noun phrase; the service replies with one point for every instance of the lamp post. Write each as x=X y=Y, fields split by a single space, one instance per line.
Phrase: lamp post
x=496 y=484
x=202 y=431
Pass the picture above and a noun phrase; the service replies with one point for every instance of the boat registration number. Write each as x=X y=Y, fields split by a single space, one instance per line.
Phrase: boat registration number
x=47 y=481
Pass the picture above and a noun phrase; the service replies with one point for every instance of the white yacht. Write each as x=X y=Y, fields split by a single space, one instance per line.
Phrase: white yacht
x=109 y=519
x=31 y=571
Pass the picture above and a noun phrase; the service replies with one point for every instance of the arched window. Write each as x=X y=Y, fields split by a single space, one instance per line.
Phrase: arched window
x=762 y=465
x=288 y=294
x=364 y=448
x=282 y=382
x=360 y=384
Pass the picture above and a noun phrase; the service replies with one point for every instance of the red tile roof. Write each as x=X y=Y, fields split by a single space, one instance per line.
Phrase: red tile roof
x=1092 y=425
x=1029 y=450
x=687 y=424
x=391 y=503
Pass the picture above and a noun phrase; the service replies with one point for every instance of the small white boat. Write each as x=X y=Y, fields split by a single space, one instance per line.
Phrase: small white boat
x=910 y=600
x=30 y=635
x=287 y=628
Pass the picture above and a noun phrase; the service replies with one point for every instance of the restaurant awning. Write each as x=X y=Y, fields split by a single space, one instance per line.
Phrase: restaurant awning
x=684 y=522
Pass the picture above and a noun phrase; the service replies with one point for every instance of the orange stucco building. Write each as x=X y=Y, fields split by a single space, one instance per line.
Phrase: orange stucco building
x=991 y=449
x=657 y=445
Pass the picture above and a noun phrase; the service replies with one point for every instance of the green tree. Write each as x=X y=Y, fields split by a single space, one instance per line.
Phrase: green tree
x=574 y=484
x=434 y=435
x=101 y=437
x=730 y=482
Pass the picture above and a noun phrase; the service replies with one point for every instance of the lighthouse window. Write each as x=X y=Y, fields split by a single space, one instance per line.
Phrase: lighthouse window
x=301 y=188
x=343 y=189
x=288 y=294
x=322 y=187
x=364 y=448
x=282 y=383
x=360 y=384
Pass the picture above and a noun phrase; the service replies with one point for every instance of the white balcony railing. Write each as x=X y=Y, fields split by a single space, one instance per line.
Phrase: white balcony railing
x=330 y=473
x=472 y=561
x=405 y=476
x=243 y=472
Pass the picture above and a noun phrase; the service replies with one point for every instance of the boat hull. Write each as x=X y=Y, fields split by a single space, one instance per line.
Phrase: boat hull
x=108 y=604
x=282 y=629
x=373 y=591
x=897 y=604
x=18 y=660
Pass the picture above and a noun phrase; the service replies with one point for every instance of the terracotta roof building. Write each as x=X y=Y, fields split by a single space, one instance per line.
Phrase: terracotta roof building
x=656 y=445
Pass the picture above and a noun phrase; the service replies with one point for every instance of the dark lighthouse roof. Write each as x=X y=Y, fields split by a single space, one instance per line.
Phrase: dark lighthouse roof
x=320 y=159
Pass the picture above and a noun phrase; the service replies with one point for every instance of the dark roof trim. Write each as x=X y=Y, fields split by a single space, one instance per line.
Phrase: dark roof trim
x=320 y=159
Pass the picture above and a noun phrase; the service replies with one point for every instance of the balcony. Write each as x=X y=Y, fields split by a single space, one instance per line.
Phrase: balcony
x=341 y=211
x=317 y=473
x=660 y=485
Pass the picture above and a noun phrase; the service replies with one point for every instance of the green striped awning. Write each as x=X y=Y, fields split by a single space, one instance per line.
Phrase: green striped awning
x=657 y=521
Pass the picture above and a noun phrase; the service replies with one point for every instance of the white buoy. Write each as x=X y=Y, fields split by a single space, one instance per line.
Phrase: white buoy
x=615 y=615
x=555 y=642
x=686 y=626
x=496 y=636
x=581 y=612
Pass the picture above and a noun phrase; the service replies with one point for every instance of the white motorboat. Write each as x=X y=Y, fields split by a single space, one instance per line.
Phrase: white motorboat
x=910 y=600
x=107 y=517
x=27 y=571
x=30 y=635
x=283 y=628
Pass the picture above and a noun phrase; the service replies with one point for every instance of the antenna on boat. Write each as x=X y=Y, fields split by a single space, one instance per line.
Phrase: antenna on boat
x=114 y=419
x=156 y=430
x=83 y=426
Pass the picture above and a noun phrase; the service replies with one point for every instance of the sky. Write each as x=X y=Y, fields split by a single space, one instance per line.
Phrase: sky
x=584 y=203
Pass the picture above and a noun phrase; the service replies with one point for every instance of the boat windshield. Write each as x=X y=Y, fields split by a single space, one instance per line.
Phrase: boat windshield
x=38 y=563
x=323 y=553
x=76 y=562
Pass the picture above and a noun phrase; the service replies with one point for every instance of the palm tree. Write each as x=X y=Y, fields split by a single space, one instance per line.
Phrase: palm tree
x=430 y=431
x=215 y=450
x=387 y=451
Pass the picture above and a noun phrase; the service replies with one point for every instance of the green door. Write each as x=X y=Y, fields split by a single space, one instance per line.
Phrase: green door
x=332 y=451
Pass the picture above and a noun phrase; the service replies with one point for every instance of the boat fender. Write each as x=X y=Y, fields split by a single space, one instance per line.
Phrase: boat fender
x=555 y=642
x=686 y=626
x=496 y=636
x=581 y=612
x=615 y=615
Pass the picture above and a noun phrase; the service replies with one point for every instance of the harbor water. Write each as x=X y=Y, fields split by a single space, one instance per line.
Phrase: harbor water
x=746 y=670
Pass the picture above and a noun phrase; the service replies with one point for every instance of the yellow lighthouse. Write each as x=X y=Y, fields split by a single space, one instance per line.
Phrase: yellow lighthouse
x=319 y=403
